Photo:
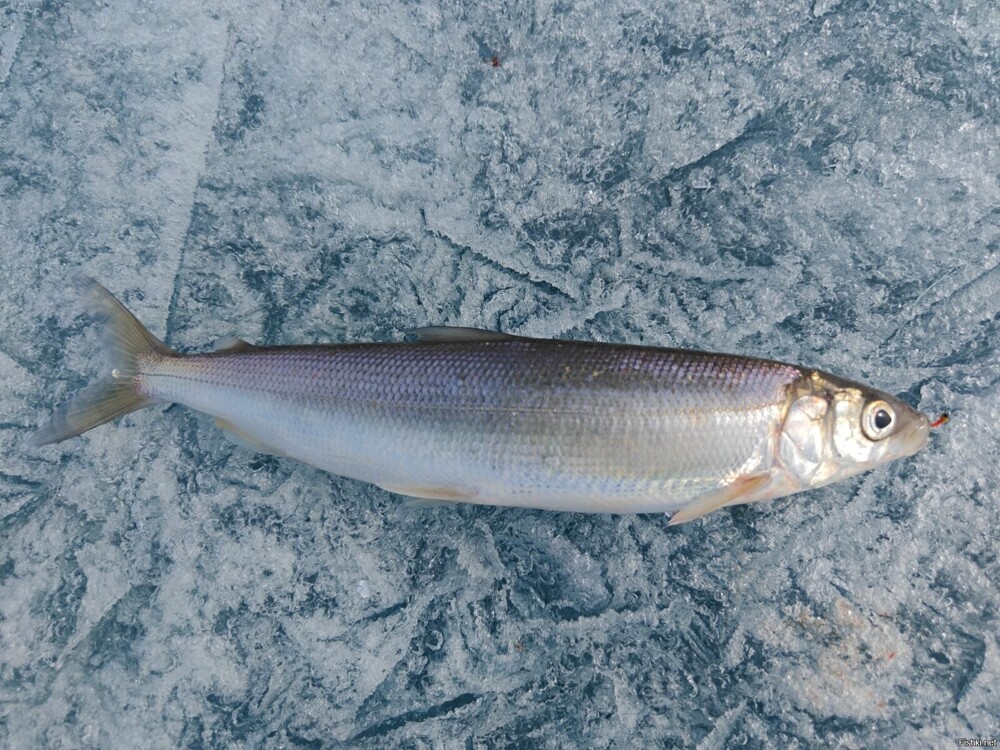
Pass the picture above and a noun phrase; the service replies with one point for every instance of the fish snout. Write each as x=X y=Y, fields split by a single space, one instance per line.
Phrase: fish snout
x=916 y=435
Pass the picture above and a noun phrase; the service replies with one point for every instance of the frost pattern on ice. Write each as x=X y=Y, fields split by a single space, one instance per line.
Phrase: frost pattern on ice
x=810 y=181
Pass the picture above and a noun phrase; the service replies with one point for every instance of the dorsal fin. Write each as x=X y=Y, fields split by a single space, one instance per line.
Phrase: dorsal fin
x=232 y=344
x=442 y=334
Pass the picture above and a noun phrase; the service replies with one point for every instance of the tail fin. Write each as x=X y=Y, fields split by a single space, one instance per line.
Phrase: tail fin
x=125 y=339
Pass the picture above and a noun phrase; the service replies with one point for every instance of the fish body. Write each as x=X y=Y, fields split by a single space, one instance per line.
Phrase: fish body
x=481 y=417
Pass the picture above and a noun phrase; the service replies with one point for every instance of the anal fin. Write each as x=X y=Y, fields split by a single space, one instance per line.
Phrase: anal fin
x=740 y=490
x=246 y=440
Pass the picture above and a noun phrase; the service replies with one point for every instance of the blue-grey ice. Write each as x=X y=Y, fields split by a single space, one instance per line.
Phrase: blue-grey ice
x=813 y=181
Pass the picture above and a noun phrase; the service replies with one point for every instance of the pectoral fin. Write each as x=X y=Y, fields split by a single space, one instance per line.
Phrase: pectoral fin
x=738 y=491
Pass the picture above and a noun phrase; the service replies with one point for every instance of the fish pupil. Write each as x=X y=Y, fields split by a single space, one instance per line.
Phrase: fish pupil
x=882 y=419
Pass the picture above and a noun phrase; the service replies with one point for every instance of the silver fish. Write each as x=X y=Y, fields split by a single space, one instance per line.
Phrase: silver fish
x=480 y=417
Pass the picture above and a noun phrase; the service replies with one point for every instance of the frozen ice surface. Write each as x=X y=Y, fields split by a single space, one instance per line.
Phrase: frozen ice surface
x=811 y=181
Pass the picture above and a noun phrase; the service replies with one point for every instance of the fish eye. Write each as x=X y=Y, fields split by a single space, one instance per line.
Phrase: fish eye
x=877 y=420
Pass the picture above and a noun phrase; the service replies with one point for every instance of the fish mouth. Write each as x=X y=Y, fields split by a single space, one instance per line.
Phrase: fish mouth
x=916 y=437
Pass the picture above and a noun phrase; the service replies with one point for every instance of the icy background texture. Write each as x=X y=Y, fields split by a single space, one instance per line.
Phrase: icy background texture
x=809 y=181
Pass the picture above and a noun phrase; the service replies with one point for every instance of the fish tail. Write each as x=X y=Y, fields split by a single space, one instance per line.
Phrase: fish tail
x=126 y=341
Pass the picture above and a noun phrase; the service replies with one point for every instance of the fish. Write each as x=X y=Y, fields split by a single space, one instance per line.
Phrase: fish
x=473 y=416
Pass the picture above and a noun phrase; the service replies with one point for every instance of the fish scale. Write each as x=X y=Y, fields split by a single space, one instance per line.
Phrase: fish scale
x=559 y=425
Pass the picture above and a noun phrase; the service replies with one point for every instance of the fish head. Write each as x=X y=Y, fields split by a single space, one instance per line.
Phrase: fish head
x=836 y=428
